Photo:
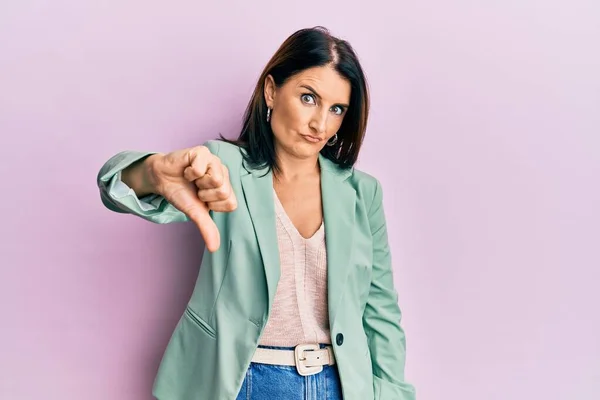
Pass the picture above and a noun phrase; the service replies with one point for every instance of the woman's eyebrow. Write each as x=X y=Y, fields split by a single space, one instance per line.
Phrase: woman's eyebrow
x=319 y=96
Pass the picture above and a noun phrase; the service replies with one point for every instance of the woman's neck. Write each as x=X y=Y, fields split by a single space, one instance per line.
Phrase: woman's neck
x=293 y=168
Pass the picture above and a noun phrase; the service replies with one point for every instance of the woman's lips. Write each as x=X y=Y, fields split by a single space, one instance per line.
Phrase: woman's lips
x=312 y=139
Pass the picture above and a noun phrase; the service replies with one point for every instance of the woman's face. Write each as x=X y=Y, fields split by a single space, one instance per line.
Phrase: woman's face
x=307 y=110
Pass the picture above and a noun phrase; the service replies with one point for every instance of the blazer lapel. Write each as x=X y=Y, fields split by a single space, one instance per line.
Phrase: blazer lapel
x=258 y=193
x=339 y=203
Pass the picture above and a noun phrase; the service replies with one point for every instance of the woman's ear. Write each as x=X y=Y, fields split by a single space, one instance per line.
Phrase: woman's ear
x=270 y=91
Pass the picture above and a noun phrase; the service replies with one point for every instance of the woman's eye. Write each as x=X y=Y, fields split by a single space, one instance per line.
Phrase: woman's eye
x=338 y=110
x=308 y=98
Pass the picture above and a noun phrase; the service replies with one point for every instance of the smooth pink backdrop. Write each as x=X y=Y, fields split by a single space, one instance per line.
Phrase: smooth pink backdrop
x=485 y=131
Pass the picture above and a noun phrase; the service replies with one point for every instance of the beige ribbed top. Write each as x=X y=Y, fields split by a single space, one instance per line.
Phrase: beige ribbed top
x=299 y=313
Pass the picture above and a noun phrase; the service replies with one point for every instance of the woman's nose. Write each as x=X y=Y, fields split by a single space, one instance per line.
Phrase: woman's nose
x=319 y=122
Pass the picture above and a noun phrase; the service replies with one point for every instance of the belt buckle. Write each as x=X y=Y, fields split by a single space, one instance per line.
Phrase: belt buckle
x=301 y=367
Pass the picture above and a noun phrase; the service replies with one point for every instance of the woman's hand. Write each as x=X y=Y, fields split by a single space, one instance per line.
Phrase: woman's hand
x=194 y=181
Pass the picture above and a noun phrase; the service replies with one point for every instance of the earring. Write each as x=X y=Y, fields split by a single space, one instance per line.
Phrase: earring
x=331 y=142
x=268 y=114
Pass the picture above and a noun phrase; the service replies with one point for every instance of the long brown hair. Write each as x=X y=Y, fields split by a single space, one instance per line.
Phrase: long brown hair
x=307 y=48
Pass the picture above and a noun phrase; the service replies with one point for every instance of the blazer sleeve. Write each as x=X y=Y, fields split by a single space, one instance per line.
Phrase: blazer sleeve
x=118 y=197
x=382 y=315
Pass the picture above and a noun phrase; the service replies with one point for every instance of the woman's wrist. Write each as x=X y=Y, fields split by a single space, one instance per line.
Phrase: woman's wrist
x=140 y=176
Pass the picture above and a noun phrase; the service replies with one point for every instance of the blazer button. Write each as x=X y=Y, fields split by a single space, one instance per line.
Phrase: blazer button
x=339 y=339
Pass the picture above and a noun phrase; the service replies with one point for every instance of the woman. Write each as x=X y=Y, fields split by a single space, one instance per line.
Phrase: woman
x=295 y=297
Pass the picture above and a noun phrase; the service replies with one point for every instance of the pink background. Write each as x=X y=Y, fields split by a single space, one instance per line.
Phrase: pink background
x=485 y=132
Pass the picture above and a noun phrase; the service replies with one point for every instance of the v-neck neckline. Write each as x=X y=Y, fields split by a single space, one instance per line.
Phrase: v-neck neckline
x=287 y=222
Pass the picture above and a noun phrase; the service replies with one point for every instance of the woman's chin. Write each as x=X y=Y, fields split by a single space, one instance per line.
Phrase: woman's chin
x=306 y=150
x=302 y=148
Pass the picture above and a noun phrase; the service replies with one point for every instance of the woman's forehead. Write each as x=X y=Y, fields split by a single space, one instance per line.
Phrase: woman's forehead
x=326 y=81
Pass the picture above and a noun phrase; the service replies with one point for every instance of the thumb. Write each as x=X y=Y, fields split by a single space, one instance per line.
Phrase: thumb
x=208 y=229
x=184 y=198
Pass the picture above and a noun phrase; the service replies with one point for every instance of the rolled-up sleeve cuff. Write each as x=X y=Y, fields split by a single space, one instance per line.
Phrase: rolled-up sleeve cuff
x=126 y=197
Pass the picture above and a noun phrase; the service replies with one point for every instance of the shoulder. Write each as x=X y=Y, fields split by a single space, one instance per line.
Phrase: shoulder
x=369 y=191
x=229 y=154
x=367 y=187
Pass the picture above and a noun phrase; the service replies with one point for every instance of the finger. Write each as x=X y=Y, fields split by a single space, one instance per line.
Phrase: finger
x=184 y=199
x=218 y=194
x=214 y=177
x=199 y=160
x=210 y=233
x=208 y=228
x=197 y=167
x=223 y=192
x=228 y=205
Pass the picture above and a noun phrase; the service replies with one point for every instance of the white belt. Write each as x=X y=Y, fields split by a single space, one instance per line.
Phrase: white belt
x=307 y=358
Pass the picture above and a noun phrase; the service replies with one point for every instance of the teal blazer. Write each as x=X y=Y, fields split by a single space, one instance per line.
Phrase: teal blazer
x=216 y=336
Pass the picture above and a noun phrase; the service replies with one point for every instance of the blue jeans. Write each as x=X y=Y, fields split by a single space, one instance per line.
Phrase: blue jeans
x=282 y=382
